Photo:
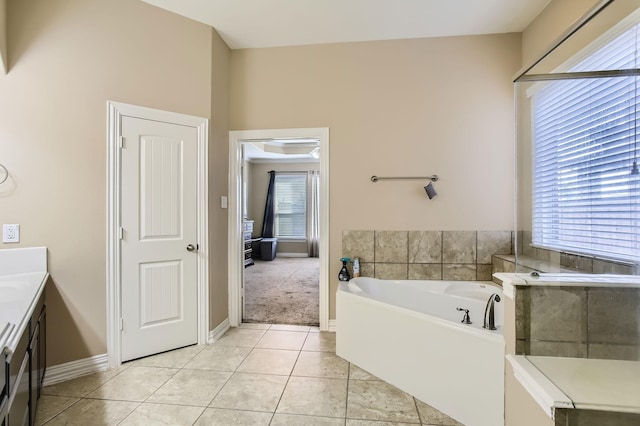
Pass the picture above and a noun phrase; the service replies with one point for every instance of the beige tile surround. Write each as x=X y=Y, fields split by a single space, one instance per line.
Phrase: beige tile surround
x=256 y=374
x=428 y=255
x=578 y=322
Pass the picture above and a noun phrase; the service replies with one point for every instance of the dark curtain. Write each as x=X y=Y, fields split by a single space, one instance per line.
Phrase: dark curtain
x=269 y=208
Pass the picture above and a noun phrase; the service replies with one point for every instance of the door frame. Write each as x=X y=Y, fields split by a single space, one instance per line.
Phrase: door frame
x=235 y=248
x=115 y=112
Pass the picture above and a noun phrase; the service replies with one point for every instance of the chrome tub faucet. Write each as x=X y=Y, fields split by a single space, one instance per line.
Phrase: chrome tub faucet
x=489 y=314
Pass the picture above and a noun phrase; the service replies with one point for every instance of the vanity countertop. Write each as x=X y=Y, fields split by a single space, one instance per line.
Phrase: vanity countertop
x=18 y=296
x=23 y=275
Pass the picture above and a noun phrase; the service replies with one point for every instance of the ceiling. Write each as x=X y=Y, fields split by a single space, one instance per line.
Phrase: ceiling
x=269 y=23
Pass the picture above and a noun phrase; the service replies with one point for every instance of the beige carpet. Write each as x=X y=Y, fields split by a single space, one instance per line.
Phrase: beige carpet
x=282 y=291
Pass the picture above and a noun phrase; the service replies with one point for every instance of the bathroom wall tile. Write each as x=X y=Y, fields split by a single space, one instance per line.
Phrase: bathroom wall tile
x=392 y=246
x=367 y=269
x=502 y=265
x=425 y=246
x=523 y=313
x=459 y=272
x=493 y=242
x=604 y=267
x=522 y=347
x=600 y=418
x=558 y=314
x=579 y=263
x=526 y=242
x=613 y=315
x=483 y=272
x=425 y=271
x=358 y=244
x=459 y=247
x=561 y=417
x=610 y=351
x=391 y=271
x=559 y=349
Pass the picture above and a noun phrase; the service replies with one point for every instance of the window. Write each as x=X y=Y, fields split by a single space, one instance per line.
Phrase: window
x=586 y=189
x=291 y=205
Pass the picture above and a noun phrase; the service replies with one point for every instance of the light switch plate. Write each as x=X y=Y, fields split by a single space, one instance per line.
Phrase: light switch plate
x=10 y=233
x=223 y=201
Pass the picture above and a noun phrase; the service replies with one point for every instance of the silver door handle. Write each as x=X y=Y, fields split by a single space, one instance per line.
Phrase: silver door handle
x=191 y=247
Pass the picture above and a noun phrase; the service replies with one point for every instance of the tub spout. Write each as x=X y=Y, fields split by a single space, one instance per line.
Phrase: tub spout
x=489 y=314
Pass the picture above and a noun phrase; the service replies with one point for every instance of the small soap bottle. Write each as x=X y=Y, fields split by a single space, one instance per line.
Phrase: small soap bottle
x=356 y=267
x=343 y=275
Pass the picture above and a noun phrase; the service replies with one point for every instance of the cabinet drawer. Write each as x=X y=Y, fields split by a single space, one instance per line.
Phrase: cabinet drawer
x=247 y=255
x=248 y=227
x=247 y=245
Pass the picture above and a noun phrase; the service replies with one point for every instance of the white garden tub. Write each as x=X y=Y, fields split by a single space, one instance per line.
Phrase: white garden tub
x=409 y=334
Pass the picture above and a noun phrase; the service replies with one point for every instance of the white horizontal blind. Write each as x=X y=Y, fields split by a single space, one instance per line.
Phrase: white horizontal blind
x=585 y=198
x=291 y=205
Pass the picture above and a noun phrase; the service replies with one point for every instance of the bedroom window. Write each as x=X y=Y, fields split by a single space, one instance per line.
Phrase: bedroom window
x=586 y=186
x=291 y=205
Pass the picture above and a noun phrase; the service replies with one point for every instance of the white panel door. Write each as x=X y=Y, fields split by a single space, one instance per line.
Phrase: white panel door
x=159 y=279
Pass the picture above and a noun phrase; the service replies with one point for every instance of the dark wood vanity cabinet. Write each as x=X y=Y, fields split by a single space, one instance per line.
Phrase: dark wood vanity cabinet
x=25 y=370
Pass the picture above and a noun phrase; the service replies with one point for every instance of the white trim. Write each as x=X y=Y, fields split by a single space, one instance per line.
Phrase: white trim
x=74 y=369
x=541 y=389
x=115 y=112
x=216 y=333
x=292 y=254
x=235 y=214
x=332 y=325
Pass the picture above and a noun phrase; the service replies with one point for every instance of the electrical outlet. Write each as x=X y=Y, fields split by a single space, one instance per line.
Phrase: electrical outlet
x=10 y=233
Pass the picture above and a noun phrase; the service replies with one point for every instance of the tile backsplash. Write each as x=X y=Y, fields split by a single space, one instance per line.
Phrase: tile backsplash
x=430 y=255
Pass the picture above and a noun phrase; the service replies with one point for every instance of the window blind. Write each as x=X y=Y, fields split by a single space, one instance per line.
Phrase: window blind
x=290 y=205
x=585 y=197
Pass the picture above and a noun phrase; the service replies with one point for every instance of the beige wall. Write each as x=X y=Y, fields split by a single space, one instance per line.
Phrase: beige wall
x=257 y=196
x=395 y=108
x=67 y=58
x=550 y=24
x=218 y=181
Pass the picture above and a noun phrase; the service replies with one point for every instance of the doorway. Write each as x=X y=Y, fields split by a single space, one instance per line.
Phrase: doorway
x=157 y=243
x=238 y=141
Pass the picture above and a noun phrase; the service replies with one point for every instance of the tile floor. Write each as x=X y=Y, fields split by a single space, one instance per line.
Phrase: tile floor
x=256 y=374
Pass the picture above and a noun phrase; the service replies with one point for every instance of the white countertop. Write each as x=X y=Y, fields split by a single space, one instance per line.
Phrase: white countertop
x=580 y=383
x=23 y=275
x=18 y=296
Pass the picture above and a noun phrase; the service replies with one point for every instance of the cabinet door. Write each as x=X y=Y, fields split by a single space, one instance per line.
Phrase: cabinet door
x=19 y=411
x=42 y=352
x=33 y=372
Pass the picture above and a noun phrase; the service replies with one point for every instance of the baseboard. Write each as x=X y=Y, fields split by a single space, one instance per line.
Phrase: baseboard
x=74 y=369
x=217 y=332
x=292 y=255
x=332 y=325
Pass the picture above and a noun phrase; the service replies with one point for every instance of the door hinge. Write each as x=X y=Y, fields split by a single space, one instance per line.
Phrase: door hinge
x=121 y=141
x=121 y=324
x=121 y=233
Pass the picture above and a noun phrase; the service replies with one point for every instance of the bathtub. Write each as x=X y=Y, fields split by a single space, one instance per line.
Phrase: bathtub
x=409 y=334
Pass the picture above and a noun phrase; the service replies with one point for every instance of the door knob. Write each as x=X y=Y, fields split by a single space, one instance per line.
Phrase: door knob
x=191 y=247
